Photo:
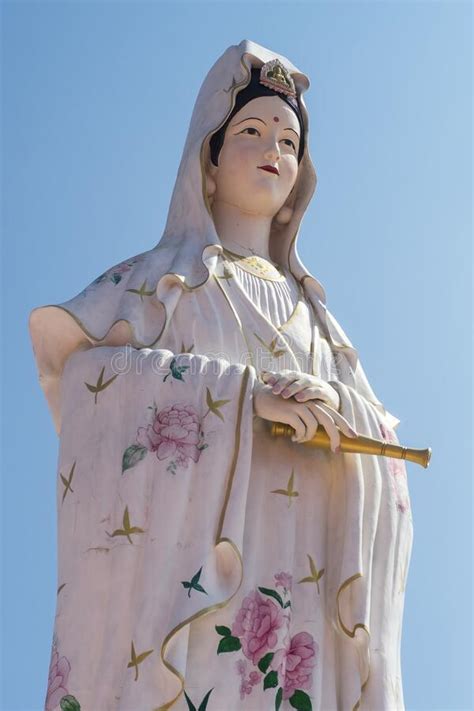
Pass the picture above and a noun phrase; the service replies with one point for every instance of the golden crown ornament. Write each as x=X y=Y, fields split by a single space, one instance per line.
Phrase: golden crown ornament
x=275 y=75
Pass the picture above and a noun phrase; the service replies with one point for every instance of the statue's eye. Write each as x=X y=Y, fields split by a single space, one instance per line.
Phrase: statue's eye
x=250 y=128
x=290 y=142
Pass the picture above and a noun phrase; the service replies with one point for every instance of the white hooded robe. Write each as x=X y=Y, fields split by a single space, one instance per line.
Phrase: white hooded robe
x=203 y=563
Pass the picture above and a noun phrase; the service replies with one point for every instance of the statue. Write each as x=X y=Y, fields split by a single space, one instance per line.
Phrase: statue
x=202 y=562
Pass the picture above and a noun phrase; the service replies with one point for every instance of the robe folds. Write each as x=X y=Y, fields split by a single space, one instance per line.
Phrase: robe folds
x=204 y=563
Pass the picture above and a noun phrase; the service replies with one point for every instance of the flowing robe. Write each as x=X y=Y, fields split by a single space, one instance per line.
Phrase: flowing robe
x=198 y=552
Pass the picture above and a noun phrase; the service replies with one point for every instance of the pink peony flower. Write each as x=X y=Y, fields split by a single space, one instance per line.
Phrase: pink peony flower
x=283 y=580
x=175 y=430
x=294 y=663
x=59 y=669
x=256 y=624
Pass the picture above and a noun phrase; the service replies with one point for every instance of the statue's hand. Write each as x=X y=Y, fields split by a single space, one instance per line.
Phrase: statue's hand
x=304 y=417
x=301 y=386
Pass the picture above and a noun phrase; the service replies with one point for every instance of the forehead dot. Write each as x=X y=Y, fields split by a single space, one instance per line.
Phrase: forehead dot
x=276 y=119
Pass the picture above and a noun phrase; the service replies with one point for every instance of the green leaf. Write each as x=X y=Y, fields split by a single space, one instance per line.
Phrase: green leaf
x=109 y=382
x=278 y=698
x=291 y=480
x=287 y=604
x=271 y=680
x=271 y=347
x=126 y=519
x=223 y=631
x=301 y=701
x=176 y=370
x=141 y=292
x=264 y=662
x=100 y=385
x=101 y=378
x=143 y=656
x=312 y=566
x=203 y=704
x=196 y=576
x=272 y=593
x=132 y=455
x=69 y=703
x=219 y=414
x=219 y=403
x=199 y=588
x=118 y=532
x=228 y=644
x=214 y=405
x=191 y=706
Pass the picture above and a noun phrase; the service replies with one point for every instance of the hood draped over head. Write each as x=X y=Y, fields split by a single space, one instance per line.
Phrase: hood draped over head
x=133 y=301
x=190 y=218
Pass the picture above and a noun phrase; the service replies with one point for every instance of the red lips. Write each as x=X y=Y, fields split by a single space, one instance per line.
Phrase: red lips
x=270 y=169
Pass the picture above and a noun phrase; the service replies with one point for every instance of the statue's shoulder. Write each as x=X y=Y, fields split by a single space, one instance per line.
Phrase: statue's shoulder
x=119 y=274
x=121 y=296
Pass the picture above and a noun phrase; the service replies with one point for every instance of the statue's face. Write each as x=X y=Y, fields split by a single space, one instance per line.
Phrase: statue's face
x=265 y=132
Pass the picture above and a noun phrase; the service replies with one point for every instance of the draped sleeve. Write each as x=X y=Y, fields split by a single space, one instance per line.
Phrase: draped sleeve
x=154 y=467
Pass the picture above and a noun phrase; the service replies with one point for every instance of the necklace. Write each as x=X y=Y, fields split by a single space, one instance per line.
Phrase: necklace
x=256 y=265
x=254 y=253
x=250 y=249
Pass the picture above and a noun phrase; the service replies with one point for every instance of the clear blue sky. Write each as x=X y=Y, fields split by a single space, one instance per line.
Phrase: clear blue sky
x=96 y=104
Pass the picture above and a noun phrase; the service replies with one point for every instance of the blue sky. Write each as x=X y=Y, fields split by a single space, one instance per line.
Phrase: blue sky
x=97 y=97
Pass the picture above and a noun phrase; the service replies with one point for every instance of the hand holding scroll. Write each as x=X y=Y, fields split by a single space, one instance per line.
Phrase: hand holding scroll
x=301 y=401
x=301 y=386
x=306 y=415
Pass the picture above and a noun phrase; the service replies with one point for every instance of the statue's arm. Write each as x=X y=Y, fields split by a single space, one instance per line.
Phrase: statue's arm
x=55 y=336
x=352 y=386
x=356 y=397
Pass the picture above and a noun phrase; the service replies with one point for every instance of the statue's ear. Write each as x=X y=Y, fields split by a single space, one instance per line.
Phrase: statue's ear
x=284 y=215
x=211 y=171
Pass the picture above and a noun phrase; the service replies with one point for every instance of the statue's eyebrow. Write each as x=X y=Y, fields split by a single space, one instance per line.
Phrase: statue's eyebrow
x=292 y=129
x=250 y=118
x=255 y=118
